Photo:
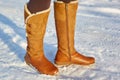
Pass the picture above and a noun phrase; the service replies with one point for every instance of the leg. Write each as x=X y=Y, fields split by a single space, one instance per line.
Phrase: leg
x=35 y=30
x=65 y=19
x=38 y=5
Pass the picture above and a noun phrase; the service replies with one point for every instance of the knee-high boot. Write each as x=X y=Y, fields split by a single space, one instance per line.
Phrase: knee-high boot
x=35 y=30
x=65 y=19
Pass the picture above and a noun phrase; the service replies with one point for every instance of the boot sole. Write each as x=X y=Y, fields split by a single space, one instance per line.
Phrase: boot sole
x=62 y=63
x=69 y=63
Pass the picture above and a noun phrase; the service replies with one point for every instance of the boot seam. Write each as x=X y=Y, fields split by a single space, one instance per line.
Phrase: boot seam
x=67 y=30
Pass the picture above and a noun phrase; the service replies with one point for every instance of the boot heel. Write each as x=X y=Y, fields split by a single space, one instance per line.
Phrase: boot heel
x=27 y=61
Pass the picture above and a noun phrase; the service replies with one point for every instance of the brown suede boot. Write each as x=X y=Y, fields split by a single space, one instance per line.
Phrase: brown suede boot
x=35 y=29
x=65 y=18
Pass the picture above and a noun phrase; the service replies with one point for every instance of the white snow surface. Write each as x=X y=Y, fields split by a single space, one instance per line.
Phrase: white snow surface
x=97 y=34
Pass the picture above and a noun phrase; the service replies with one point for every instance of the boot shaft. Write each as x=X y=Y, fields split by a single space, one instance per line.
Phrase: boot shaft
x=65 y=18
x=35 y=30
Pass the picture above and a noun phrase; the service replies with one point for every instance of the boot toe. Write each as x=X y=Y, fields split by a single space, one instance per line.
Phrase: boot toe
x=53 y=72
x=91 y=60
x=78 y=58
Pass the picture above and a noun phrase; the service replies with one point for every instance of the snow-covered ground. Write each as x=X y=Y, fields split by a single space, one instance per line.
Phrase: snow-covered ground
x=97 y=34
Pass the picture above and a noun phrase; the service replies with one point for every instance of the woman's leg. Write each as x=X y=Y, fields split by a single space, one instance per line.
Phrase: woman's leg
x=35 y=30
x=65 y=20
x=38 y=5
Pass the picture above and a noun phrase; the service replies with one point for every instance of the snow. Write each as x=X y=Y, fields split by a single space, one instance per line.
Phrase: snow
x=97 y=34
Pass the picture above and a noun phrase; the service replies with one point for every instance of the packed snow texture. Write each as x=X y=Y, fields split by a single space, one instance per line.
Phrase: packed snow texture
x=97 y=34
